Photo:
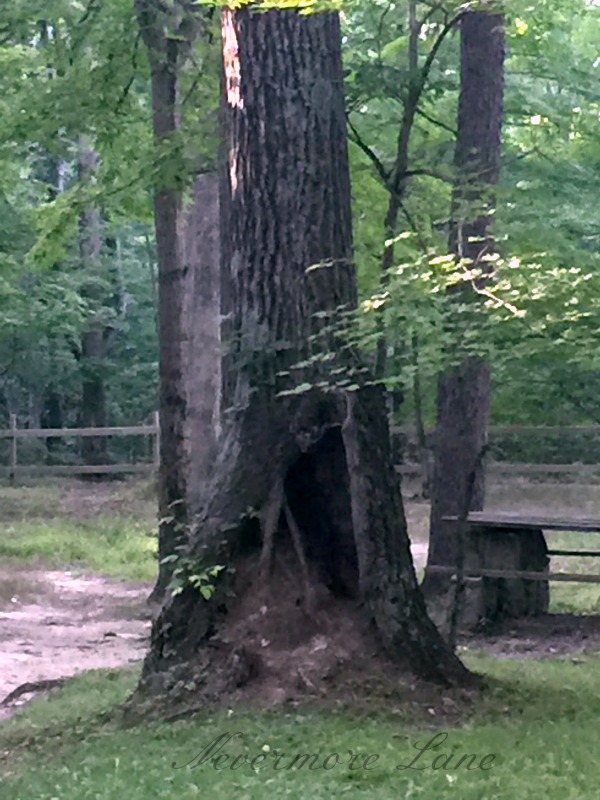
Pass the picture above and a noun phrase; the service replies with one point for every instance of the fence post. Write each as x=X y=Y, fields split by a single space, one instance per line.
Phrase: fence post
x=13 y=449
x=156 y=440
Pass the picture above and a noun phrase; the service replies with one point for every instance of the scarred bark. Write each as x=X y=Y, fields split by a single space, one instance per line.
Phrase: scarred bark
x=301 y=478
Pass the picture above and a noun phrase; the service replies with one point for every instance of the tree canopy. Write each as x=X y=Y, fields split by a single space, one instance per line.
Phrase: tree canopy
x=80 y=69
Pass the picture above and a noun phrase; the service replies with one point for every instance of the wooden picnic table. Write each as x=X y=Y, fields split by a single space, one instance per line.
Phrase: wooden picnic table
x=510 y=519
x=506 y=564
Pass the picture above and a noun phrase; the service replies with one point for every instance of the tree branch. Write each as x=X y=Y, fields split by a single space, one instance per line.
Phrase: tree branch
x=371 y=155
x=430 y=173
x=437 y=122
x=426 y=69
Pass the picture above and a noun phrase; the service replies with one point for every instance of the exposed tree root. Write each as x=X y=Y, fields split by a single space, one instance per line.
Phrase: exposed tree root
x=297 y=541
x=32 y=686
x=269 y=523
x=270 y=517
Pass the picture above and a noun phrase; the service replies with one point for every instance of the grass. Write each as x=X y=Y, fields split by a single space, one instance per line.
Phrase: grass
x=107 y=528
x=538 y=720
x=574 y=598
x=63 y=498
x=119 y=548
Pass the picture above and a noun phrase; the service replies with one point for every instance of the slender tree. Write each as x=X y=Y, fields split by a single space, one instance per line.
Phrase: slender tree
x=162 y=31
x=304 y=507
x=463 y=398
x=94 y=339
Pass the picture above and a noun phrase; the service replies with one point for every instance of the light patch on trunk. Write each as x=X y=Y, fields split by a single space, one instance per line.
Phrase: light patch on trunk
x=233 y=182
x=231 y=61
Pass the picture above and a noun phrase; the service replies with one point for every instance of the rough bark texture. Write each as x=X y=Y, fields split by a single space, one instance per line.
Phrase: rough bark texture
x=159 y=29
x=202 y=315
x=464 y=392
x=303 y=485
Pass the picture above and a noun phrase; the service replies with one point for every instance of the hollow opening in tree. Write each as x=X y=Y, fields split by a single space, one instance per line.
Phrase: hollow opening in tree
x=317 y=493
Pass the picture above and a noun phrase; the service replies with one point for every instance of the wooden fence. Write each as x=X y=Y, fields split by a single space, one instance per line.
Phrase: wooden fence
x=512 y=468
x=15 y=434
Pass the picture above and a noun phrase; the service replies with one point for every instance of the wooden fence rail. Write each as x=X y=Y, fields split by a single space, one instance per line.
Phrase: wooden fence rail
x=512 y=468
x=44 y=433
x=504 y=429
x=14 y=434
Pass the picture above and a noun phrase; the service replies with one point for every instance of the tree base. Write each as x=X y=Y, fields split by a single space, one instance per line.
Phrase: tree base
x=272 y=651
x=318 y=565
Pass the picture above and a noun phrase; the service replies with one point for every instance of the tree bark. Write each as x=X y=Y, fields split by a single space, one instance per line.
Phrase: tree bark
x=463 y=399
x=303 y=490
x=202 y=315
x=164 y=42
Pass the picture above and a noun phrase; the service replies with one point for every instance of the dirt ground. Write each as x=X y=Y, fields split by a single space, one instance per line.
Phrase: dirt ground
x=547 y=636
x=59 y=623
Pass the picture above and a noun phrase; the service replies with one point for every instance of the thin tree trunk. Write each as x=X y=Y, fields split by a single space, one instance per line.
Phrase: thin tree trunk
x=463 y=399
x=161 y=34
x=51 y=417
x=422 y=444
x=303 y=507
x=94 y=337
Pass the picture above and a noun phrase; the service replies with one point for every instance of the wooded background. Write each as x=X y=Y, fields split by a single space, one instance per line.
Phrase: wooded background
x=78 y=276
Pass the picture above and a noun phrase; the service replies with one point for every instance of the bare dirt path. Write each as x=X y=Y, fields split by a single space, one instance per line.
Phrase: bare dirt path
x=57 y=623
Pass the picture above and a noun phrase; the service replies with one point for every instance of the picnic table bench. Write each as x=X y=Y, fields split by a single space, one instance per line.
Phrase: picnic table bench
x=506 y=562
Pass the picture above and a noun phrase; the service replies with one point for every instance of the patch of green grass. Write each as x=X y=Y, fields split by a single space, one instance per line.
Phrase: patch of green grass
x=528 y=495
x=69 y=498
x=67 y=715
x=574 y=598
x=538 y=719
x=26 y=502
x=108 y=527
x=118 y=547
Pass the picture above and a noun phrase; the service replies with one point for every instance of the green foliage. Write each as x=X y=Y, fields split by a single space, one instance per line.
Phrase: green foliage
x=72 y=71
x=188 y=572
x=83 y=70
x=537 y=321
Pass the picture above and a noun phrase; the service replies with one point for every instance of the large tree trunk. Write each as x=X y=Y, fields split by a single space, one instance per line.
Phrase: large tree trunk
x=303 y=507
x=160 y=32
x=464 y=392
